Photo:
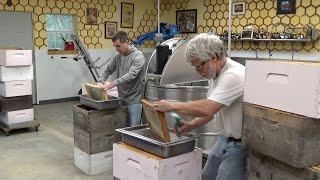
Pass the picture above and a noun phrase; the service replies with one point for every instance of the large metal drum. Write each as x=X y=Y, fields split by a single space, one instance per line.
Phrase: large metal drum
x=179 y=82
x=186 y=92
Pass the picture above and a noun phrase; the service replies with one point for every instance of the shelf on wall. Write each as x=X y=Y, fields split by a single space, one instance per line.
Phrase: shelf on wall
x=62 y=52
x=273 y=40
x=256 y=42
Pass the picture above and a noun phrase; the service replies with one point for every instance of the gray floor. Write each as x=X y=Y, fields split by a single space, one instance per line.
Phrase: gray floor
x=46 y=154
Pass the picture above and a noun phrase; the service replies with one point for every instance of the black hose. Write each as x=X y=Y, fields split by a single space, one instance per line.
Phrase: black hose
x=143 y=96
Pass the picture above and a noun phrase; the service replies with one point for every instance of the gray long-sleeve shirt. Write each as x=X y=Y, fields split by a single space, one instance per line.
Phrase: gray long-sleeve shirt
x=129 y=73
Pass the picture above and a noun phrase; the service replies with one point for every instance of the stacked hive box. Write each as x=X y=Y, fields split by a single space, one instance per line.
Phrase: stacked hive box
x=94 y=135
x=280 y=123
x=131 y=163
x=16 y=73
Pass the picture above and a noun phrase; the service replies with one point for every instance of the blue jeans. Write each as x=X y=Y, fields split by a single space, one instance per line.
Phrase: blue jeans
x=134 y=114
x=226 y=161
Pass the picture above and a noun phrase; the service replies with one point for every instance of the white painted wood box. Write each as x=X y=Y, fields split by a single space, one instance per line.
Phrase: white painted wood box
x=15 y=88
x=13 y=117
x=285 y=85
x=14 y=73
x=130 y=163
x=93 y=164
x=15 y=57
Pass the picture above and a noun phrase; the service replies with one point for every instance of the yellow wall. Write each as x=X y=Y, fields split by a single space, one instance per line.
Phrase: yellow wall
x=212 y=14
x=91 y=35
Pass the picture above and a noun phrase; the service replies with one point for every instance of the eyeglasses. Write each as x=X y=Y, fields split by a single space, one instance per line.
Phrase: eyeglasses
x=200 y=66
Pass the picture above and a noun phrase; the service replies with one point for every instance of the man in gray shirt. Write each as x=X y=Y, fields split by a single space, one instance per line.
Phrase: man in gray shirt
x=128 y=65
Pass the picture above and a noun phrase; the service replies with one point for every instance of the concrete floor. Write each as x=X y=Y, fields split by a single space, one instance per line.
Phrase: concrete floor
x=46 y=154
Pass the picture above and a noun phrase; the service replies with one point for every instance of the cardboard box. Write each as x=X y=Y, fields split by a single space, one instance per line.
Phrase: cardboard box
x=15 y=88
x=93 y=164
x=285 y=85
x=290 y=138
x=131 y=164
x=15 y=57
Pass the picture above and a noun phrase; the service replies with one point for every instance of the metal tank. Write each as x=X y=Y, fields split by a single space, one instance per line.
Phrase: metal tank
x=179 y=82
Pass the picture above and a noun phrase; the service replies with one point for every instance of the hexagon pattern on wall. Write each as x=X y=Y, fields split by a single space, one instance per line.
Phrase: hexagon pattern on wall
x=215 y=17
x=89 y=34
x=264 y=15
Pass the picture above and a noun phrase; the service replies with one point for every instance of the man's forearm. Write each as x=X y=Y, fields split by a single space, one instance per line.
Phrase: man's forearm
x=200 y=108
x=199 y=121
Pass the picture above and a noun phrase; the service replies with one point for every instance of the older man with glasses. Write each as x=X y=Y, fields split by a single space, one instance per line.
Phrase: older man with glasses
x=226 y=159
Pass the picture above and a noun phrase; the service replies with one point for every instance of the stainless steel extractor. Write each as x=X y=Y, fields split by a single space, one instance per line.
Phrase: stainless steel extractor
x=179 y=82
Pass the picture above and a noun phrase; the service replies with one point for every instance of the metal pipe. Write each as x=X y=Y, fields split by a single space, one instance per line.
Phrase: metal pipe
x=158 y=16
x=275 y=26
x=229 y=31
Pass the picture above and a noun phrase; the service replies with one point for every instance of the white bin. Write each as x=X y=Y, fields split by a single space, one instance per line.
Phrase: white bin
x=285 y=85
x=15 y=57
x=130 y=163
x=13 y=117
x=93 y=164
x=15 y=88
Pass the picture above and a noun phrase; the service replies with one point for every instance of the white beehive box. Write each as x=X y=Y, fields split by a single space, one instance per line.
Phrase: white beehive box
x=285 y=85
x=15 y=57
x=93 y=164
x=14 y=73
x=130 y=163
x=15 y=88
x=13 y=117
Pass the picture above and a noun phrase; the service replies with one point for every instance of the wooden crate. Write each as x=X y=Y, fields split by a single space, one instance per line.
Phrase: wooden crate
x=93 y=143
x=15 y=117
x=16 y=73
x=93 y=164
x=15 y=88
x=292 y=139
x=15 y=57
x=130 y=163
x=291 y=86
x=93 y=121
x=261 y=167
x=15 y=103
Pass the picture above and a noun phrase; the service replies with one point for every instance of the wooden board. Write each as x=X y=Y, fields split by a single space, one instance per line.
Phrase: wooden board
x=95 y=93
x=290 y=138
x=156 y=120
x=261 y=167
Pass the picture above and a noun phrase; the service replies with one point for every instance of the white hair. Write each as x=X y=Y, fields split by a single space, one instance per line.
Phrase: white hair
x=203 y=46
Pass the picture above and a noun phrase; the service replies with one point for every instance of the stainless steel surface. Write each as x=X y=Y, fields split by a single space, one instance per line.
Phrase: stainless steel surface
x=179 y=82
x=113 y=102
x=176 y=70
x=143 y=138
x=186 y=92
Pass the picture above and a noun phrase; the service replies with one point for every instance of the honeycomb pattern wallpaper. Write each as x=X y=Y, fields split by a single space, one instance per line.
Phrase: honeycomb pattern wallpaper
x=212 y=15
x=264 y=15
x=89 y=34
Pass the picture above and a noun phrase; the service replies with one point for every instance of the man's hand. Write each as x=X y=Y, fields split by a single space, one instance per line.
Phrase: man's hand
x=105 y=86
x=163 y=106
x=99 y=84
x=185 y=126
